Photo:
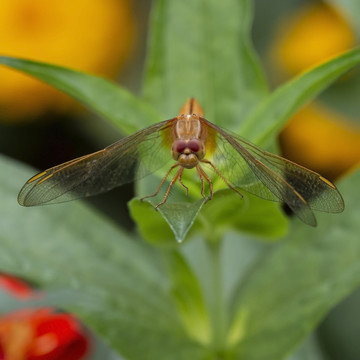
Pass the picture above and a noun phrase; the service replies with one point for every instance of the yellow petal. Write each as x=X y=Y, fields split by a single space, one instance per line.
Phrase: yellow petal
x=89 y=35
x=311 y=36
x=322 y=140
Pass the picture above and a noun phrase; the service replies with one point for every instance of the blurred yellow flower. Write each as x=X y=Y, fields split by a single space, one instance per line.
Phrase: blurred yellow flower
x=89 y=35
x=322 y=139
x=316 y=137
x=311 y=36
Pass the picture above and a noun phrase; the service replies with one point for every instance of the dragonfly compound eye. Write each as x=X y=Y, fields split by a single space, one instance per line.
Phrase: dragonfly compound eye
x=194 y=145
x=179 y=146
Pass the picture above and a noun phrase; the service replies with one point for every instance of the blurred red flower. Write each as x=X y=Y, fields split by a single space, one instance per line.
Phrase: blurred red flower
x=41 y=334
x=38 y=334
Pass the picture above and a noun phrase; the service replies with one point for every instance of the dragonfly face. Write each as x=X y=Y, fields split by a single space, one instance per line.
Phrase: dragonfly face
x=189 y=138
x=191 y=141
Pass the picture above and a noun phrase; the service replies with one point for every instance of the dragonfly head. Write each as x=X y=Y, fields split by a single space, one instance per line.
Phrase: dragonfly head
x=188 y=152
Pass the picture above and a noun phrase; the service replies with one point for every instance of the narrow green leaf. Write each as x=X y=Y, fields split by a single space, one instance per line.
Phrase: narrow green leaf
x=69 y=246
x=292 y=289
x=269 y=118
x=112 y=102
x=202 y=49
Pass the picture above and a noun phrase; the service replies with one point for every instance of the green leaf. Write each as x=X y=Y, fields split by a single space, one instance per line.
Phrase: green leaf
x=224 y=212
x=202 y=49
x=112 y=102
x=151 y=225
x=129 y=298
x=310 y=349
x=249 y=214
x=338 y=332
x=269 y=118
x=179 y=217
x=59 y=298
x=298 y=282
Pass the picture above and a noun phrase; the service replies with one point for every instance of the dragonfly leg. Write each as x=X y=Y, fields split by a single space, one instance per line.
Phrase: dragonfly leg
x=222 y=176
x=202 y=175
x=202 y=183
x=176 y=177
x=181 y=183
x=161 y=184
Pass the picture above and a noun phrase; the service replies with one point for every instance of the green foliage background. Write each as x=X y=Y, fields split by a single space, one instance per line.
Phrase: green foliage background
x=245 y=284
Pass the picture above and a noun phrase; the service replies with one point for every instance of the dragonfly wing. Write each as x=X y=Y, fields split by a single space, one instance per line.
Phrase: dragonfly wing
x=320 y=193
x=274 y=178
x=130 y=158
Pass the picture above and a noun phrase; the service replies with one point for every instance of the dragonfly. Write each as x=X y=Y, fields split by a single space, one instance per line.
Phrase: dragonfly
x=190 y=142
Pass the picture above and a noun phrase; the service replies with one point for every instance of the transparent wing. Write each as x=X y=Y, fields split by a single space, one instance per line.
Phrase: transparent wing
x=130 y=158
x=274 y=178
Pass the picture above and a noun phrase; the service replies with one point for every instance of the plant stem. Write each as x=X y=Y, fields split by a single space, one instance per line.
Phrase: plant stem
x=217 y=304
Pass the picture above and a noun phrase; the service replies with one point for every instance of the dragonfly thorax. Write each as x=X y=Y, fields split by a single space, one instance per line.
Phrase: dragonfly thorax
x=188 y=152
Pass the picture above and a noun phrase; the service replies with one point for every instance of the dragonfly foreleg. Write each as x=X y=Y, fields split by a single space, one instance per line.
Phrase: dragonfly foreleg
x=222 y=176
x=176 y=177
x=161 y=184
x=181 y=183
